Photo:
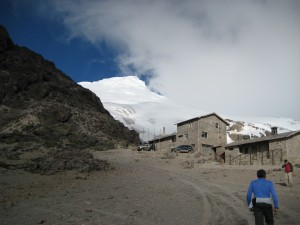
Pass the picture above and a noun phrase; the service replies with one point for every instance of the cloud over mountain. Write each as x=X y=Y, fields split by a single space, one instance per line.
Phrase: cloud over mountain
x=199 y=52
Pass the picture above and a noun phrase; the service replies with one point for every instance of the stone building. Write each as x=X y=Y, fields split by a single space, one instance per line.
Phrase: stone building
x=202 y=132
x=268 y=150
x=164 y=142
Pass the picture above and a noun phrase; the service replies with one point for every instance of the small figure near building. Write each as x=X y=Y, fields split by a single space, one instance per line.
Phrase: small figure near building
x=261 y=204
x=288 y=169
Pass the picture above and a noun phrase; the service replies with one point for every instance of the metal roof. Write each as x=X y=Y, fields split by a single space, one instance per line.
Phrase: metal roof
x=265 y=138
x=162 y=137
x=203 y=116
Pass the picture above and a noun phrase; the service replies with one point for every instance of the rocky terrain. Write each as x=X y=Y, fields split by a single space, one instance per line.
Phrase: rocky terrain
x=47 y=121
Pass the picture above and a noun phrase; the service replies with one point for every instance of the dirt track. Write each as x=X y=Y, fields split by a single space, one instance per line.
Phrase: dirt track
x=143 y=188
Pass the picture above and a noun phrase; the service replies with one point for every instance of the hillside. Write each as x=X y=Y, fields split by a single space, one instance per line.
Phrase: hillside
x=43 y=111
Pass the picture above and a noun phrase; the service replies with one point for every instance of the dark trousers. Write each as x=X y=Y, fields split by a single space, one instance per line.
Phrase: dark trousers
x=263 y=211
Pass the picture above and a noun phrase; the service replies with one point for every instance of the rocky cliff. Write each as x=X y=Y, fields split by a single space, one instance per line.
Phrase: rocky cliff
x=43 y=111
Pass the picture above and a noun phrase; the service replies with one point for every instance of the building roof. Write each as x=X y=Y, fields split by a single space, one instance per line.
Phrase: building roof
x=265 y=138
x=203 y=116
x=163 y=137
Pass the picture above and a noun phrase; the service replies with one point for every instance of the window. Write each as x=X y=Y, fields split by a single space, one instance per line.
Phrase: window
x=217 y=125
x=204 y=134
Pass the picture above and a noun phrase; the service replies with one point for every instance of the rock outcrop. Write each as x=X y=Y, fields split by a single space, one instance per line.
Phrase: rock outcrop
x=43 y=111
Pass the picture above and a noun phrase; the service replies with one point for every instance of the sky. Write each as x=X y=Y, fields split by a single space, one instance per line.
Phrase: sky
x=232 y=57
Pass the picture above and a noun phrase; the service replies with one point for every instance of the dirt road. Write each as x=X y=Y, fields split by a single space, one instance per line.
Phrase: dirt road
x=143 y=188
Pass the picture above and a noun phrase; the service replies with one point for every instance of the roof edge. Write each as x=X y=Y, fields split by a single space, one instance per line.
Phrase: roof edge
x=264 y=138
x=203 y=116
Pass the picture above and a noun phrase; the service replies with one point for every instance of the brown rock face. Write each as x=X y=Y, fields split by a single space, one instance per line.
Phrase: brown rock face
x=43 y=111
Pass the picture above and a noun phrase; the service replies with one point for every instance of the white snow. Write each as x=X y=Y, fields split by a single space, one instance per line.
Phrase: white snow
x=123 y=90
x=229 y=140
x=129 y=100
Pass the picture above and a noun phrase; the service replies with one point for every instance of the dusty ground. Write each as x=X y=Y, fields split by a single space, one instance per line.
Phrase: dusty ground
x=143 y=188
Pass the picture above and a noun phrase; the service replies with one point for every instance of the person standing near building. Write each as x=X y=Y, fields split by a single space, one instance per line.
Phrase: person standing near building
x=288 y=169
x=261 y=204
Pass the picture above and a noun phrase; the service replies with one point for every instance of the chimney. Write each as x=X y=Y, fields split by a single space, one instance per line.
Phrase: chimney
x=245 y=137
x=164 y=131
x=274 y=130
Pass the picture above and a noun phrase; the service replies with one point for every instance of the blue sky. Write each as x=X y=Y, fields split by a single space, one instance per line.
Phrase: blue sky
x=230 y=57
x=77 y=57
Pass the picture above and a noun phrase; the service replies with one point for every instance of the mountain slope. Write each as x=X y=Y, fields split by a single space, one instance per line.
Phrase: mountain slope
x=130 y=101
x=42 y=109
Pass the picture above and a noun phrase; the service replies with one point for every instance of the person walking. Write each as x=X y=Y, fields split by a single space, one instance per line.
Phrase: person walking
x=261 y=204
x=288 y=168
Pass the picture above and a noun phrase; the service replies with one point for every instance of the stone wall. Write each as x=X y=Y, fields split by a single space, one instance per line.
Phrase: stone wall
x=187 y=134
x=164 y=144
x=219 y=151
x=293 y=149
x=215 y=129
x=231 y=154
x=252 y=154
x=193 y=133
x=278 y=150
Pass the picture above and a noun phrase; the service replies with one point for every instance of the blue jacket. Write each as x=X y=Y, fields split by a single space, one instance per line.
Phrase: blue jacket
x=262 y=188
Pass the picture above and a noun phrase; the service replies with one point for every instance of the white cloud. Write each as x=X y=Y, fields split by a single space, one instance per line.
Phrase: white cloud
x=231 y=57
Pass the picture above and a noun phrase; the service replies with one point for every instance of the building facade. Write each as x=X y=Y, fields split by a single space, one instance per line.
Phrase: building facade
x=202 y=132
x=268 y=150
x=164 y=142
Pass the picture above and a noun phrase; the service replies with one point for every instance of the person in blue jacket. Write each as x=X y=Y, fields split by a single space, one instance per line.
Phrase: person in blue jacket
x=264 y=191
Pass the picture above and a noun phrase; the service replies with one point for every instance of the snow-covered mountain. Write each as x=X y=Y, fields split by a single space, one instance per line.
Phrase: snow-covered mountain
x=130 y=101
